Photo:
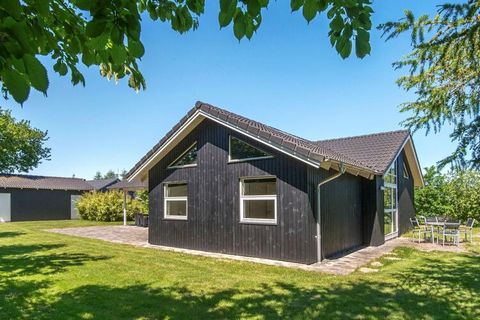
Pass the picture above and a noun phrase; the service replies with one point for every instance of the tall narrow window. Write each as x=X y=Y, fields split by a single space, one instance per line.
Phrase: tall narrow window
x=240 y=150
x=390 y=215
x=187 y=159
x=405 y=171
x=258 y=200
x=176 y=201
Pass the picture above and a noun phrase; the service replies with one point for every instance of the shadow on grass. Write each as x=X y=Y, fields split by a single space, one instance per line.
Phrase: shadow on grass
x=36 y=259
x=10 y=234
x=438 y=288
x=435 y=289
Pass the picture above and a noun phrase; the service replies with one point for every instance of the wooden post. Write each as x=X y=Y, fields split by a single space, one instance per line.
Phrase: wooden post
x=124 y=207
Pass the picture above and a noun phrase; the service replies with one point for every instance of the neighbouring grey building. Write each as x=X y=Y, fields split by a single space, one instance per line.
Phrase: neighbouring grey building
x=29 y=197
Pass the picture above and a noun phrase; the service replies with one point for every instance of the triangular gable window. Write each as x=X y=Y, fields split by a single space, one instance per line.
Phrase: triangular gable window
x=240 y=150
x=187 y=159
x=405 y=171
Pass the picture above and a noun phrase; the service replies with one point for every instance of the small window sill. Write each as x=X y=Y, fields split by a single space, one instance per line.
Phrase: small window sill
x=181 y=167
x=249 y=159
x=259 y=222
x=179 y=218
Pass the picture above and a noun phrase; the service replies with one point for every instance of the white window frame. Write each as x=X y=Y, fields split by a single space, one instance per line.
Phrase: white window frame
x=171 y=166
x=393 y=186
x=167 y=199
x=406 y=175
x=243 y=197
x=230 y=160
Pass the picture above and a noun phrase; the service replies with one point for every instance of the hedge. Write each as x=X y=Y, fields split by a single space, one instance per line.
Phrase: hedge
x=107 y=206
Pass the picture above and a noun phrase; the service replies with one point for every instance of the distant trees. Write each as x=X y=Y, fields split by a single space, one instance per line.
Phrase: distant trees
x=455 y=194
x=22 y=147
x=110 y=174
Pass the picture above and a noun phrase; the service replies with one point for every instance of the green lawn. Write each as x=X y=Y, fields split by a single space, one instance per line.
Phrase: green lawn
x=52 y=276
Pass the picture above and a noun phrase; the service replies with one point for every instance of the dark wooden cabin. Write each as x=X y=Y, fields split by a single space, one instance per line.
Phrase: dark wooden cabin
x=220 y=182
x=30 y=198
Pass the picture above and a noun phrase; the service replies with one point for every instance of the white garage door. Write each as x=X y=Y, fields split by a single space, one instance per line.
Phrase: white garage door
x=73 y=207
x=5 y=207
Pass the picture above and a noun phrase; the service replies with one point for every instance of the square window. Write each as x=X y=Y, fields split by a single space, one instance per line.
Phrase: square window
x=258 y=200
x=176 y=201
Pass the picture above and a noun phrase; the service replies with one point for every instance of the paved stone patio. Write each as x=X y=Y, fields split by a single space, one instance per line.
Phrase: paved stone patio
x=343 y=265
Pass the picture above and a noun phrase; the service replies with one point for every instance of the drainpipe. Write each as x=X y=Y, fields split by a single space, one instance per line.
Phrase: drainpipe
x=319 y=235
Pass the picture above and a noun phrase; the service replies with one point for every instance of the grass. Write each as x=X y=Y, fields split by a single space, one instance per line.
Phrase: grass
x=52 y=276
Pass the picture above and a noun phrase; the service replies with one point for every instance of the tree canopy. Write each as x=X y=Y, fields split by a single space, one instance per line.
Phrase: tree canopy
x=444 y=73
x=21 y=146
x=107 y=34
x=455 y=194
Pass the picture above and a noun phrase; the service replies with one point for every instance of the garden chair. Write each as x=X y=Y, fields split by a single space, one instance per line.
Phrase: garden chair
x=431 y=219
x=468 y=229
x=451 y=230
x=418 y=229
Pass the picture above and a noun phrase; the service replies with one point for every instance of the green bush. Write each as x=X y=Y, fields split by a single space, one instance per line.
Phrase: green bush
x=106 y=206
x=142 y=197
x=455 y=194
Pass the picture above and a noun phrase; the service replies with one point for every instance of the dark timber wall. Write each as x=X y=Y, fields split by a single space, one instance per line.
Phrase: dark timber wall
x=341 y=211
x=372 y=208
x=213 y=222
x=213 y=202
x=31 y=205
x=406 y=206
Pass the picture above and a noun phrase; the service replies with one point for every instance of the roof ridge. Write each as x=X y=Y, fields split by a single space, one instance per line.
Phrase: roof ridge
x=364 y=135
x=199 y=104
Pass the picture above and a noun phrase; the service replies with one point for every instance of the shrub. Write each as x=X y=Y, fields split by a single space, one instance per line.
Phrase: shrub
x=106 y=206
x=142 y=197
x=455 y=194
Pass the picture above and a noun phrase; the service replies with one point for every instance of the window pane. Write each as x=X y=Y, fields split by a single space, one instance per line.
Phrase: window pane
x=242 y=150
x=190 y=157
x=176 y=190
x=260 y=187
x=390 y=179
x=388 y=222
x=176 y=208
x=405 y=171
x=387 y=198
x=259 y=209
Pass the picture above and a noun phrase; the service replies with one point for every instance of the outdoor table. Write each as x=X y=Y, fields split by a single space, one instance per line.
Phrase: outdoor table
x=435 y=224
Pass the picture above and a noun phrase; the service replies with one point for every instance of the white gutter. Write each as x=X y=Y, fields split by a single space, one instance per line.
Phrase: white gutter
x=319 y=216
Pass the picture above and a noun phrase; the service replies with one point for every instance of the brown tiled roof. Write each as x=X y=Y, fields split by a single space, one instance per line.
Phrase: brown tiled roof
x=371 y=154
x=375 y=151
x=18 y=181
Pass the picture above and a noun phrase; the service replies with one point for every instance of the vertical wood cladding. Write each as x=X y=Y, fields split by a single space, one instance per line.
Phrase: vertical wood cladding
x=32 y=205
x=406 y=207
x=213 y=222
x=341 y=211
x=372 y=204
x=351 y=206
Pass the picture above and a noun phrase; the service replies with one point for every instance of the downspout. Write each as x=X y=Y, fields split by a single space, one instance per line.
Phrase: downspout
x=319 y=216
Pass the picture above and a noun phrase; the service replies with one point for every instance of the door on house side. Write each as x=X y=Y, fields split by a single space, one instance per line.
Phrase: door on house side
x=73 y=207
x=5 y=207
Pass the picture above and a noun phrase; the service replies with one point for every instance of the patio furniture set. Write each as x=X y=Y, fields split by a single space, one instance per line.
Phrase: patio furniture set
x=440 y=228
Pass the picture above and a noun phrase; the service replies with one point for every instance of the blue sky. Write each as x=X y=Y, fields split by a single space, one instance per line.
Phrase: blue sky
x=287 y=76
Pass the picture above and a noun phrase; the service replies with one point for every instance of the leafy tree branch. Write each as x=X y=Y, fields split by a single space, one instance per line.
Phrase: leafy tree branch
x=106 y=33
x=443 y=71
